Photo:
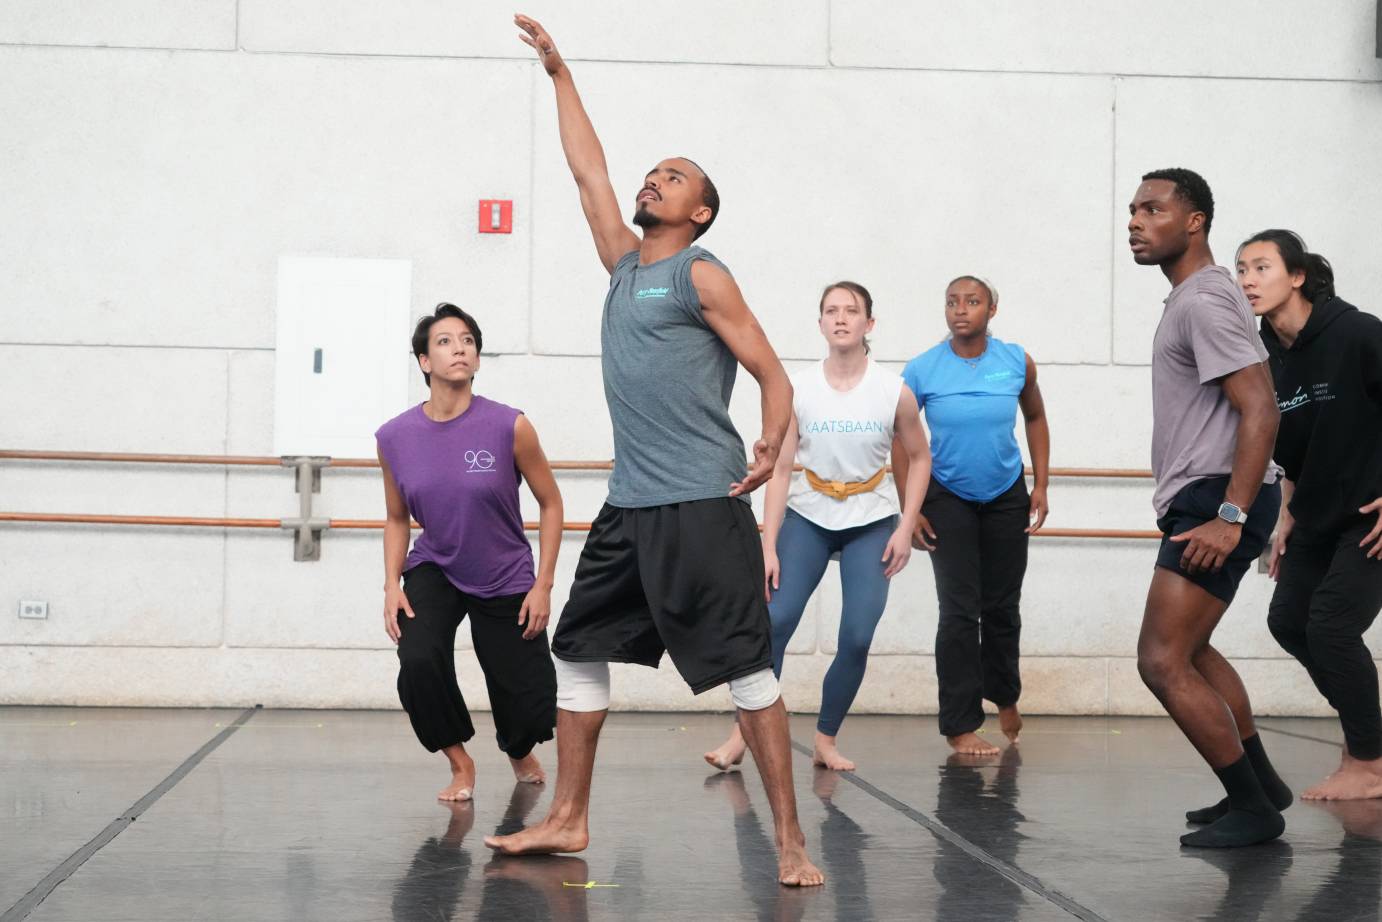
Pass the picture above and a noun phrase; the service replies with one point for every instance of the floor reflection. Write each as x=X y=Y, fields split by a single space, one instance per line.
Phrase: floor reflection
x=758 y=857
x=432 y=886
x=843 y=847
x=536 y=887
x=1353 y=889
x=985 y=812
x=1254 y=878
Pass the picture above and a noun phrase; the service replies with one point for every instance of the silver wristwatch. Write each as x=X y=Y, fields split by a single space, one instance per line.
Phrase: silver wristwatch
x=1232 y=514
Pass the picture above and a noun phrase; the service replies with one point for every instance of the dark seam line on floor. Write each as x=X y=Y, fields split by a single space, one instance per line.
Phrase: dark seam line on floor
x=30 y=901
x=941 y=831
x=1301 y=736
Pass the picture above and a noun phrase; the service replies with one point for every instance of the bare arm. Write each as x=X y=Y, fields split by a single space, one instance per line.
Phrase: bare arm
x=532 y=464
x=915 y=456
x=1038 y=445
x=916 y=473
x=724 y=310
x=398 y=527
x=584 y=154
x=909 y=476
x=1250 y=392
x=1285 y=524
x=775 y=496
x=775 y=508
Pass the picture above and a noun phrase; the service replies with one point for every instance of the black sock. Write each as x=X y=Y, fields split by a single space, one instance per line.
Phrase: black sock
x=1244 y=790
x=1251 y=818
x=1276 y=790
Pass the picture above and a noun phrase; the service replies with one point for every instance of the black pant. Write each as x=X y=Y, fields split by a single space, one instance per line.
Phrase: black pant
x=1329 y=593
x=519 y=674
x=979 y=561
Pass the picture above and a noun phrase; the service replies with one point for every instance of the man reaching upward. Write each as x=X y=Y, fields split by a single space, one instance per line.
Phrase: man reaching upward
x=673 y=562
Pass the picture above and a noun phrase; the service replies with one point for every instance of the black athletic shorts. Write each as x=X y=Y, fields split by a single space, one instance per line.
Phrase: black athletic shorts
x=686 y=578
x=1198 y=502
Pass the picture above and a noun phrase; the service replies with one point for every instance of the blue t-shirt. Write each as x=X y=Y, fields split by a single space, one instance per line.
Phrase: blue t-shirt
x=971 y=409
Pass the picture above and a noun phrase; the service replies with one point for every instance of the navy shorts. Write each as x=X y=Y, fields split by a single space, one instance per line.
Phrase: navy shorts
x=1198 y=502
x=685 y=578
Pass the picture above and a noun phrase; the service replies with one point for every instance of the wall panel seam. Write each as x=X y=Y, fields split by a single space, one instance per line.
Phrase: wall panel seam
x=829 y=66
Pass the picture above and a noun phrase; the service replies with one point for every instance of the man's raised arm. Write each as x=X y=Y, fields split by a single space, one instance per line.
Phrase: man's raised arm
x=585 y=156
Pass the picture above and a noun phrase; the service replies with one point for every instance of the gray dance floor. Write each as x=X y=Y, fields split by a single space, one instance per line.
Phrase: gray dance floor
x=122 y=814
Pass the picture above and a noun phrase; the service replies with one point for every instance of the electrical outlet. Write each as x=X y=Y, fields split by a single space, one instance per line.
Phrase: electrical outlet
x=28 y=608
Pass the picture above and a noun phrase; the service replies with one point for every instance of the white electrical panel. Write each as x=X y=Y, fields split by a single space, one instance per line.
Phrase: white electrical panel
x=341 y=362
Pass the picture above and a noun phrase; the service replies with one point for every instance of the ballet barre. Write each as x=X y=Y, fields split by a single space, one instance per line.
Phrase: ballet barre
x=307 y=528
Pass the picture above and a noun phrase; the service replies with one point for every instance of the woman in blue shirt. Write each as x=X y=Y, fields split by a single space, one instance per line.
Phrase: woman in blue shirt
x=977 y=514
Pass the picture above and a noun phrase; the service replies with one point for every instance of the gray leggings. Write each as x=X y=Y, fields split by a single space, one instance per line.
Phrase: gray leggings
x=803 y=549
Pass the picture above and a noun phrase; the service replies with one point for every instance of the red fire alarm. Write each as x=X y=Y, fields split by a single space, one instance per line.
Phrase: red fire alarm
x=496 y=216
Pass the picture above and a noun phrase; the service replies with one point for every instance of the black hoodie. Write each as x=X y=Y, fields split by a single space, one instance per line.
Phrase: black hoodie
x=1329 y=389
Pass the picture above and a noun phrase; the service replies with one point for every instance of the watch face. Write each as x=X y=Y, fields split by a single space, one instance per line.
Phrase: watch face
x=1230 y=513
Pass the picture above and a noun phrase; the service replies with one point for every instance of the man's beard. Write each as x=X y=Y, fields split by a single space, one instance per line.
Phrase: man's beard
x=644 y=218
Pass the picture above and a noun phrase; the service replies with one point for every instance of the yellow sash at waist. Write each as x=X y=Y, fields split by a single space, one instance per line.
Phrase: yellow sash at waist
x=838 y=489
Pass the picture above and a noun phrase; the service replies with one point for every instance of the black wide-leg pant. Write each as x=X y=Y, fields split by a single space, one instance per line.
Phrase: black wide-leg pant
x=519 y=674
x=979 y=561
x=1327 y=595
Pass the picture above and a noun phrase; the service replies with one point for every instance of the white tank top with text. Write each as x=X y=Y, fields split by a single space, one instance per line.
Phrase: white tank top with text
x=845 y=436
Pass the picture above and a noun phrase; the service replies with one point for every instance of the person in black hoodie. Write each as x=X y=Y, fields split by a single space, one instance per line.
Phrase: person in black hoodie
x=1326 y=556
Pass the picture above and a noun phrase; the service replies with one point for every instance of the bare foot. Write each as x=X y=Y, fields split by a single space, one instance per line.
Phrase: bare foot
x=546 y=838
x=528 y=770
x=1355 y=780
x=794 y=869
x=970 y=744
x=826 y=755
x=730 y=754
x=1011 y=722
x=462 y=784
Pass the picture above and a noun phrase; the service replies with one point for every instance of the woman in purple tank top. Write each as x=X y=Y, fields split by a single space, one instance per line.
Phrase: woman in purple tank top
x=453 y=464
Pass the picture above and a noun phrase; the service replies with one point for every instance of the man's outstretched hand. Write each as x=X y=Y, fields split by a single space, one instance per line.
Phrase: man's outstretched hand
x=537 y=38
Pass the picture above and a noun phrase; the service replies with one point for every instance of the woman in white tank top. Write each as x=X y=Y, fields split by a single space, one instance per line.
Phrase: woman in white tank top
x=846 y=412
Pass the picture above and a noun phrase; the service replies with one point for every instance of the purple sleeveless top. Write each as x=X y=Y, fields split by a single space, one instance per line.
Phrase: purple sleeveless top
x=461 y=485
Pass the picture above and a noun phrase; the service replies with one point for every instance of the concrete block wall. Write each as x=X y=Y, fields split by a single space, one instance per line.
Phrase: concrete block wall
x=160 y=156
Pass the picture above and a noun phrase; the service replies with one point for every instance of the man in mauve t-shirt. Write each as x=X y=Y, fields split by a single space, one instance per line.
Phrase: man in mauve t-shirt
x=1214 y=419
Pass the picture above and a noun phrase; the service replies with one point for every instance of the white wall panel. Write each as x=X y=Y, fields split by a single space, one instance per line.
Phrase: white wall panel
x=157 y=191
x=1276 y=154
x=334 y=603
x=715 y=31
x=115 y=586
x=112 y=489
x=249 y=426
x=900 y=181
x=78 y=399
x=1228 y=38
x=206 y=24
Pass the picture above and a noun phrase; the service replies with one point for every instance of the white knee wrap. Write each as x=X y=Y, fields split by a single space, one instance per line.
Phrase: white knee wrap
x=582 y=686
x=755 y=692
